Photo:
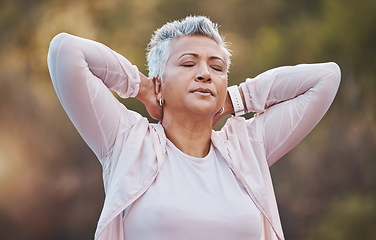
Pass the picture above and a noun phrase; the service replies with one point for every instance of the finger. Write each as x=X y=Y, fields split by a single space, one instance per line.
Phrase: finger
x=216 y=118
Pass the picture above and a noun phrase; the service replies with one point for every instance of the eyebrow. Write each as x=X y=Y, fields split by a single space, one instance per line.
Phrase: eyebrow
x=196 y=55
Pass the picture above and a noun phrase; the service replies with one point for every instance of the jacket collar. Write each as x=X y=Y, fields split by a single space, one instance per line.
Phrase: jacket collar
x=257 y=192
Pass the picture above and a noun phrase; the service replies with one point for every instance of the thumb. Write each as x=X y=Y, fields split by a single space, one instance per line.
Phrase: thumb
x=218 y=116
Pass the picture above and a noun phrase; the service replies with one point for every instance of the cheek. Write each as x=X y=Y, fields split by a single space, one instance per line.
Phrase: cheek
x=222 y=89
x=169 y=84
x=170 y=88
x=223 y=95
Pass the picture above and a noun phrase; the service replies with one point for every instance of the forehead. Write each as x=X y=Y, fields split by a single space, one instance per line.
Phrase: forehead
x=200 y=45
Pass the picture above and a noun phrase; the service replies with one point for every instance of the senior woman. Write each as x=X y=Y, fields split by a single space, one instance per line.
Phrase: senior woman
x=179 y=179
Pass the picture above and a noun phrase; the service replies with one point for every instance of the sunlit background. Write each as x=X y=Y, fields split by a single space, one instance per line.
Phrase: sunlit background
x=50 y=181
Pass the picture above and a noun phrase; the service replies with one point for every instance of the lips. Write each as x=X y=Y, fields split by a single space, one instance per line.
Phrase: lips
x=203 y=91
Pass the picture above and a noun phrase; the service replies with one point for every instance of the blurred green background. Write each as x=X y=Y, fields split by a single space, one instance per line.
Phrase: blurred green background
x=50 y=181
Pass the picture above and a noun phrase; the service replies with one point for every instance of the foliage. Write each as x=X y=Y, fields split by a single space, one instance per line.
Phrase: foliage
x=50 y=184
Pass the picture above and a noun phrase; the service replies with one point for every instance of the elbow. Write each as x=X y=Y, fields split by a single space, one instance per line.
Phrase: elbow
x=59 y=37
x=58 y=51
x=334 y=72
x=58 y=40
x=56 y=45
x=331 y=80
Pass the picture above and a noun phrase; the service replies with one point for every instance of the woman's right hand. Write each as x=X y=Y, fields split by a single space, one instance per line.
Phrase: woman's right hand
x=147 y=95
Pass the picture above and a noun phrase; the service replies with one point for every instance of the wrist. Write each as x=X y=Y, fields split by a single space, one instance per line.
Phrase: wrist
x=228 y=108
x=236 y=97
x=142 y=94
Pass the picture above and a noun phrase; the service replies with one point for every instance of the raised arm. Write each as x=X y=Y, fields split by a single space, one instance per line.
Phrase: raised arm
x=290 y=102
x=82 y=71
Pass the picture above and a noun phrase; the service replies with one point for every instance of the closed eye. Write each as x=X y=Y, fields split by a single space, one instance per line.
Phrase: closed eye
x=188 y=64
x=217 y=68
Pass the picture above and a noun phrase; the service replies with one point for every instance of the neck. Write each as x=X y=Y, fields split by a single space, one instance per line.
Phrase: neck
x=191 y=136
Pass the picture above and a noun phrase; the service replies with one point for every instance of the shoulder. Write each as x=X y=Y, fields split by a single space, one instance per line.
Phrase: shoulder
x=242 y=129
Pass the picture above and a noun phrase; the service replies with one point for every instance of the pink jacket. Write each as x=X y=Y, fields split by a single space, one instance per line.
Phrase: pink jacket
x=289 y=101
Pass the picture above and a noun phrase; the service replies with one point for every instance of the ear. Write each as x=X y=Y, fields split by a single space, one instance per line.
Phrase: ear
x=158 y=87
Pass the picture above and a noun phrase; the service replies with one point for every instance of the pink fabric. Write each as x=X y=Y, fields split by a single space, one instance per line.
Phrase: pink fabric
x=132 y=151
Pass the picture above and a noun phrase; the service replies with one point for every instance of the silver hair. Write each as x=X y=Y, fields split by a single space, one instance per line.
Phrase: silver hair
x=160 y=43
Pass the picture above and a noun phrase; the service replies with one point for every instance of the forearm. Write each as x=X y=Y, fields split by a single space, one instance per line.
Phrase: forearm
x=298 y=99
x=75 y=54
x=284 y=83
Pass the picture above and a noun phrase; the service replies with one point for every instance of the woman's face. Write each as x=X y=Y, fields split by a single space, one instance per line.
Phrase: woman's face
x=194 y=79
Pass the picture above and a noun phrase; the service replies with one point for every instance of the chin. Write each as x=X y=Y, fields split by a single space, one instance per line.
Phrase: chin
x=210 y=111
x=203 y=107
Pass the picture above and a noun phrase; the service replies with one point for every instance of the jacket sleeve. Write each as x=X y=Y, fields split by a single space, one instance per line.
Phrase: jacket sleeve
x=290 y=101
x=82 y=71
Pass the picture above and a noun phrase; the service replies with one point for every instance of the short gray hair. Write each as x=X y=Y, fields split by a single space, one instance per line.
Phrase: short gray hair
x=160 y=43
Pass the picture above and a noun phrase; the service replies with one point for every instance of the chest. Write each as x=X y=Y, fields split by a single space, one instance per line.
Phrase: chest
x=193 y=198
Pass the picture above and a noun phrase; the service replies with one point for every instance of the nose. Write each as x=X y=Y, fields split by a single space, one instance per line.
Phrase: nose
x=203 y=74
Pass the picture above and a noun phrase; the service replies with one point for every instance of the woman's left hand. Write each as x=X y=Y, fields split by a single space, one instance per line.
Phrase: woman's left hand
x=227 y=109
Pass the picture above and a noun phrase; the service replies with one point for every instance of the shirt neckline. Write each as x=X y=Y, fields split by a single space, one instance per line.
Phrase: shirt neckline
x=191 y=158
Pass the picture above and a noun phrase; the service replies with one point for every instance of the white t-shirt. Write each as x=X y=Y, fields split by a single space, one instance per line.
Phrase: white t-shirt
x=193 y=198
